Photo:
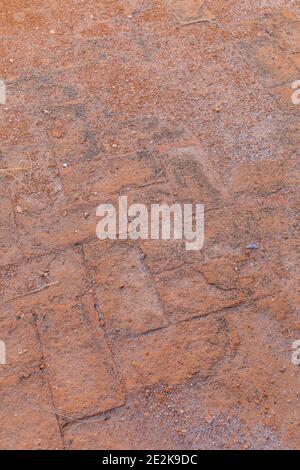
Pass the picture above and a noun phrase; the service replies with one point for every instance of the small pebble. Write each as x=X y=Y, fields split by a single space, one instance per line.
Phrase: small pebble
x=252 y=246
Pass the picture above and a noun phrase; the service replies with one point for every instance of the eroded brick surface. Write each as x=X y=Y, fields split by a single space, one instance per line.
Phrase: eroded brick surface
x=143 y=344
x=61 y=312
x=119 y=275
x=171 y=355
x=26 y=406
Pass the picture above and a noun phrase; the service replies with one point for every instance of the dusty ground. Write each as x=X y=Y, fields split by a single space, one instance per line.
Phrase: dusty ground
x=143 y=344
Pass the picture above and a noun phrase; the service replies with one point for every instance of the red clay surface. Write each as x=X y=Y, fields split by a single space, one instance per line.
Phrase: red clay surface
x=144 y=345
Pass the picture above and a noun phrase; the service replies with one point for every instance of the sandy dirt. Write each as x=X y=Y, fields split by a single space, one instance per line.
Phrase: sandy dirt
x=142 y=344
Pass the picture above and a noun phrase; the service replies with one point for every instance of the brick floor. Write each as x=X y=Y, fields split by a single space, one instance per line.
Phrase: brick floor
x=142 y=344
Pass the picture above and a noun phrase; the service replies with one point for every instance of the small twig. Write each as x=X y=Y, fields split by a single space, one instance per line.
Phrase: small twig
x=28 y=293
x=54 y=411
x=8 y=170
x=101 y=418
x=21 y=182
x=200 y=20
x=53 y=251
x=31 y=167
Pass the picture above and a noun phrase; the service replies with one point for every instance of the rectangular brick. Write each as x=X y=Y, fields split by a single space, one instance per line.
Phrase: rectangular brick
x=102 y=179
x=123 y=287
x=167 y=255
x=186 y=293
x=56 y=228
x=232 y=228
x=78 y=360
x=27 y=416
x=172 y=355
x=65 y=273
x=263 y=178
x=186 y=11
x=81 y=370
x=130 y=427
x=191 y=173
x=23 y=349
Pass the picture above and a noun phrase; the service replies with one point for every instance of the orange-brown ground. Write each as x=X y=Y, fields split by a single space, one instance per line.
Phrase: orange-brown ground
x=139 y=345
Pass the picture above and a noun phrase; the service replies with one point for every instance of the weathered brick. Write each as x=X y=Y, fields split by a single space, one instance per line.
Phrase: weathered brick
x=27 y=416
x=27 y=18
x=263 y=177
x=123 y=428
x=186 y=11
x=48 y=51
x=78 y=360
x=256 y=220
x=191 y=174
x=37 y=90
x=288 y=35
x=171 y=355
x=167 y=255
x=57 y=270
x=104 y=179
x=264 y=351
x=186 y=293
x=23 y=349
x=80 y=366
x=56 y=228
x=124 y=289
x=288 y=137
x=271 y=64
